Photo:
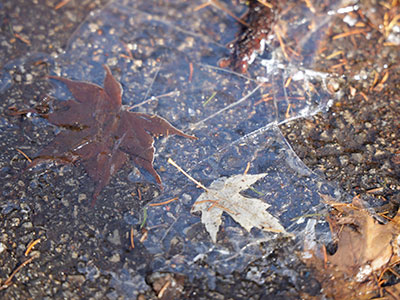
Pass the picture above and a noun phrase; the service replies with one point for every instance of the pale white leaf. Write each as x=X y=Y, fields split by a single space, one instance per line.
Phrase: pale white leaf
x=223 y=196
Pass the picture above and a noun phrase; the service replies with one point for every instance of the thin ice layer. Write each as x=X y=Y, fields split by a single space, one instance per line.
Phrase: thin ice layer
x=167 y=54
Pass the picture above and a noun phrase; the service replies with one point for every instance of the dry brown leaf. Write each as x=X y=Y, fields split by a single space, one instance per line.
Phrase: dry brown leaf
x=364 y=245
x=364 y=249
x=100 y=132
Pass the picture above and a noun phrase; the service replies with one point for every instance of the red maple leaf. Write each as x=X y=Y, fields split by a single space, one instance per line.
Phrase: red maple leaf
x=101 y=133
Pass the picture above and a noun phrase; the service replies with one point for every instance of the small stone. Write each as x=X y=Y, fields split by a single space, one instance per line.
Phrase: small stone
x=186 y=198
x=2 y=247
x=112 y=61
x=15 y=222
x=114 y=296
x=334 y=84
x=135 y=175
x=29 y=78
x=115 y=238
x=343 y=160
x=35 y=254
x=115 y=258
x=17 y=28
x=348 y=117
x=350 y=20
x=71 y=16
x=76 y=279
x=27 y=225
x=357 y=157
x=65 y=202
x=93 y=27
x=5 y=44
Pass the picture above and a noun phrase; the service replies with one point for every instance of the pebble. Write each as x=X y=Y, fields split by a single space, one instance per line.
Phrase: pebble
x=343 y=160
x=82 y=197
x=27 y=225
x=18 y=78
x=15 y=222
x=115 y=258
x=186 y=198
x=115 y=238
x=357 y=157
x=17 y=28
x=29 y=78
x=93 y=27
x=2 y=247
x=112 y=61
x=76 y=279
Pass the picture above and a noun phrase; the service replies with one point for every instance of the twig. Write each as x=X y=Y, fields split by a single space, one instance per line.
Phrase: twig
x=190 y=72
x=26 y=156
x=61 y=4
x=9 y=279
x=163 y=289
x=163 y=203
x=145 y=233
x=30 y=246
x=310 y=6
x=247 y=168
x=283 y=46
x=170 y=161
x=265 y=3
x=22 y=39
x=132 y=240
x=348 y=33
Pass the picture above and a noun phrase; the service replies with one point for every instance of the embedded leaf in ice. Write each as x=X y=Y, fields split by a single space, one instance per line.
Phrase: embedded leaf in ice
x=102 y=133
x=223 y=195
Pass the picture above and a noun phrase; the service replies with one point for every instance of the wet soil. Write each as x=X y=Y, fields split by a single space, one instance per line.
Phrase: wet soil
x=355 y=144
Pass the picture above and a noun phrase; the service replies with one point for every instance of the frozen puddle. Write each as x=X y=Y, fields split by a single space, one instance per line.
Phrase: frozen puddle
x=166 y=60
